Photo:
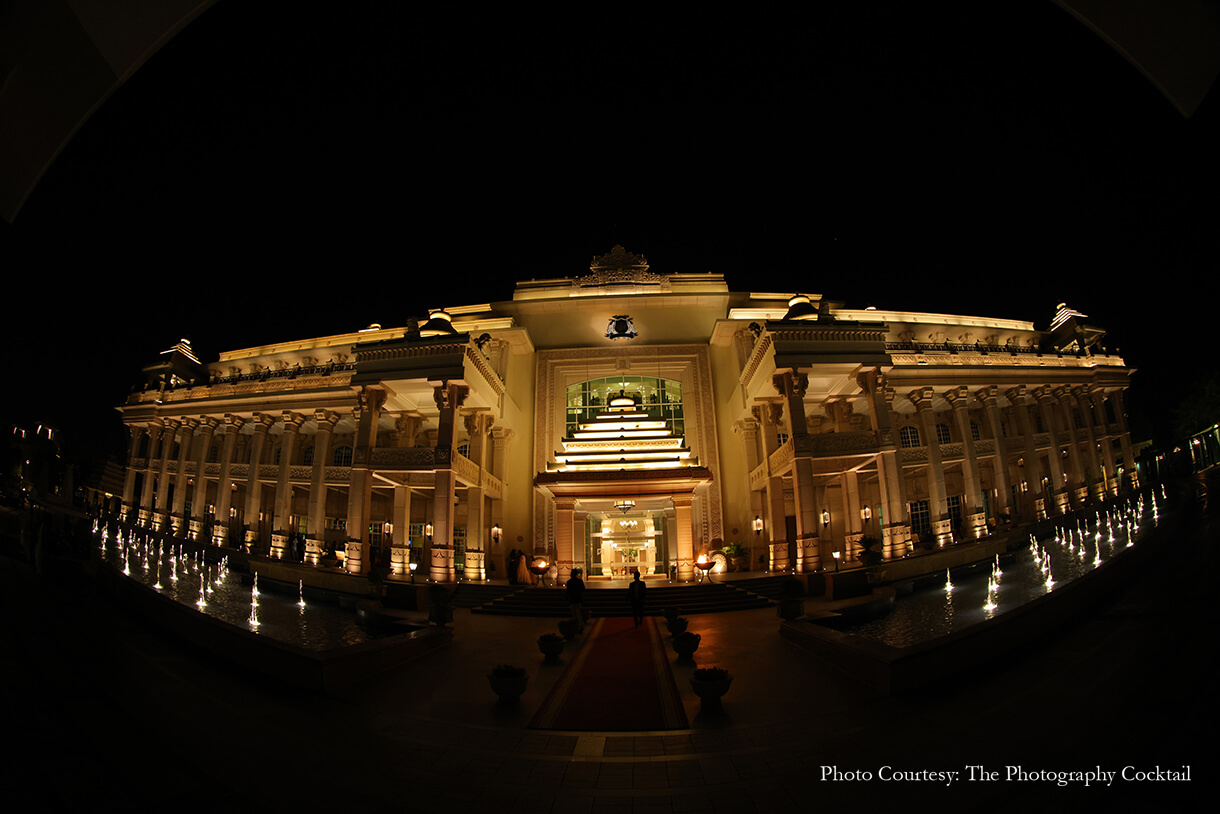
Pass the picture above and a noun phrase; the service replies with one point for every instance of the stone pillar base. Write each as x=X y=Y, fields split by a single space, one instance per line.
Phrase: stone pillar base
x=178 y=523
x=145 y=518
x=400 y=560
x=1080 y=496
x=809 y=555
x=160 y=521
x=896 y=541
x=313 y=551
x=279 y=546
x=353 y=557
x=1062 y=501
x=220 y=535
x=251 y=541
x=942 y=530
x=780 y=557
x=976 y=525
x=686 y=569
x=441 y=568
x=1040 y=508
x=196 y=529
x=475 y=568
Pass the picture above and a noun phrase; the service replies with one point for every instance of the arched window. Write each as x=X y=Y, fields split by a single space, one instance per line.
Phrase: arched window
x=942 y=434
x=342 y=456
x=908 y=437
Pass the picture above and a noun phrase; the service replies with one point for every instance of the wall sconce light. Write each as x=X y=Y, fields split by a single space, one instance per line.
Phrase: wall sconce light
x=866 y=513
x=428 y=531
x=495 y=533
x=825 y=517
x=758 y=526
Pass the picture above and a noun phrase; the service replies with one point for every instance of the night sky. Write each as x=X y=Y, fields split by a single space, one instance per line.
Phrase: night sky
x=268 y=176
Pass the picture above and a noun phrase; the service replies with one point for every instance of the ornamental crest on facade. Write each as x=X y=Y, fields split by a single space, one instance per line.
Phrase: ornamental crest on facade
x=621 y=327
x=620 y=267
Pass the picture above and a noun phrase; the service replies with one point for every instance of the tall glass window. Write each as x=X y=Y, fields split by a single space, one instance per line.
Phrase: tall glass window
x=661 y=398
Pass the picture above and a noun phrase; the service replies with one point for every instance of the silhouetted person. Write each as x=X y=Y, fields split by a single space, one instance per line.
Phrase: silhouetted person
x=635 y=595
x=576 y=594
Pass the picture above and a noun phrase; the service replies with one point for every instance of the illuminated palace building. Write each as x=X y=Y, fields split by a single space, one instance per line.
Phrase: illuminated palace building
x=628 y=419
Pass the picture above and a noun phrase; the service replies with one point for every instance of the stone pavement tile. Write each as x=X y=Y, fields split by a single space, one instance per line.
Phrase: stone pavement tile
x=732 y=800
x=573 y=804
x=649 y=745
x=691 y=801
x=718 y=769
x=533 y=742
x=649 y=776
x=533 y=800
x=775 y=799
x=620 y=746
x=662 y=804
x=684 y=773
x=612 y=804
x=751 y=767
x=581 y=775
x=677 y=744
x=614 y=776
x=560 y=745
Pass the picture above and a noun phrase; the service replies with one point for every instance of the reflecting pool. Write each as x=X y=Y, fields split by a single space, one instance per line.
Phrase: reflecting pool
x=1076 y=548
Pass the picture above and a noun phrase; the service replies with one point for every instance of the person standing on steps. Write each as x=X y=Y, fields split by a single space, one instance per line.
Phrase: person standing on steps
x=576 y=594
x=635 y=595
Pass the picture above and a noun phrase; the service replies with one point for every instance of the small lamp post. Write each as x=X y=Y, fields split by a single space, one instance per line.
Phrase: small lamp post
x=837 y=554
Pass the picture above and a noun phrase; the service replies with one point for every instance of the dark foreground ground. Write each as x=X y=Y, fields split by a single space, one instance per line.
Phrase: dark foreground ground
x=103 y=710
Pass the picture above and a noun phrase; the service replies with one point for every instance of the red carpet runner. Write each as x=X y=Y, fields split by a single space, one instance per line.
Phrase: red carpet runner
x=619 y=681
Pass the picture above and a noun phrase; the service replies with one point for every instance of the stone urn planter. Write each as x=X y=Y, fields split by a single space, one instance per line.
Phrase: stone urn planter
x=710 y=684
x=568 y=629
x=508 y=682
x=551 y=645
x=686 y=643
x=676 y=625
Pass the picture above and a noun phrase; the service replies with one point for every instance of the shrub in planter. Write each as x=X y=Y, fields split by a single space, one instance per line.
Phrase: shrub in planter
x=676 y=625
x=671 y=614
x=508 y=681
x=551 y=645
x=568 y=629
x=685 y=644
x=710 y=684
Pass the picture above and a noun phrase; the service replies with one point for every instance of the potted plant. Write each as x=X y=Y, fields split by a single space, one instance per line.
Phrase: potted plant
x=870 y=557
x=686 y=643
x=671 y=614
x=508 y=681
x=568 y=629
x=551 y=645
x=792 y=599
x=676 y=625
x=710 y=684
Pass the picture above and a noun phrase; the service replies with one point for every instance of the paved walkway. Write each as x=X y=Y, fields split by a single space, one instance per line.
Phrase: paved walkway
x=102 y=707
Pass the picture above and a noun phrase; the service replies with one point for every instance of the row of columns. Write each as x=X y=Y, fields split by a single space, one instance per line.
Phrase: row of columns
x=151 y=507
x=1072 y=486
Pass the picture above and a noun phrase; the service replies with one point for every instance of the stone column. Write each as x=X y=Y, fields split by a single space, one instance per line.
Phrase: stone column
x=1120 y=414
x=895 y=525
x=500 y=438
x=254 y=486
x=791 y=385
x=989 y=397
x=685 y=538
x=315 y=529
x=1079 y=483
x=178 y=509
x=199 y=499
x=478 y=425
x=938 y=503
x=748 y=429
x=155 y=434
x=161 y=511
x=1096 y=475
x=224 y=489
x=975 y=525
x=400 y=550
x=1033 y=467
x=449 y=397
x=282 y=522
x=775 y=526
x=565 y=514
x=130 y=508
x=1050 y=420
x=1098 y=397
x=360 y=493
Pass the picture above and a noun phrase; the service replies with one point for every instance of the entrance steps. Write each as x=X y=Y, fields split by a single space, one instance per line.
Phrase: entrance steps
x=552 y=602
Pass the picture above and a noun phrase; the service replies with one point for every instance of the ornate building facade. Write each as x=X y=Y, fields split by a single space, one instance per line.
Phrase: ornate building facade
x=626 y=419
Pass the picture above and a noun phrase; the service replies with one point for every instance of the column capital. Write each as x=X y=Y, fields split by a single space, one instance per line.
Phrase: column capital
x=292 y=421
x=449 y=395
x=922 y=397
x=989 y=395
x=478 y=422
x=262 y=422
x=1017 y=395
x=958 y=397
x=746 y=425
x=189 y=424
x=790 y=383
x=326 y=419
x=234 y=423
x=208 y=423
x=768 y=413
